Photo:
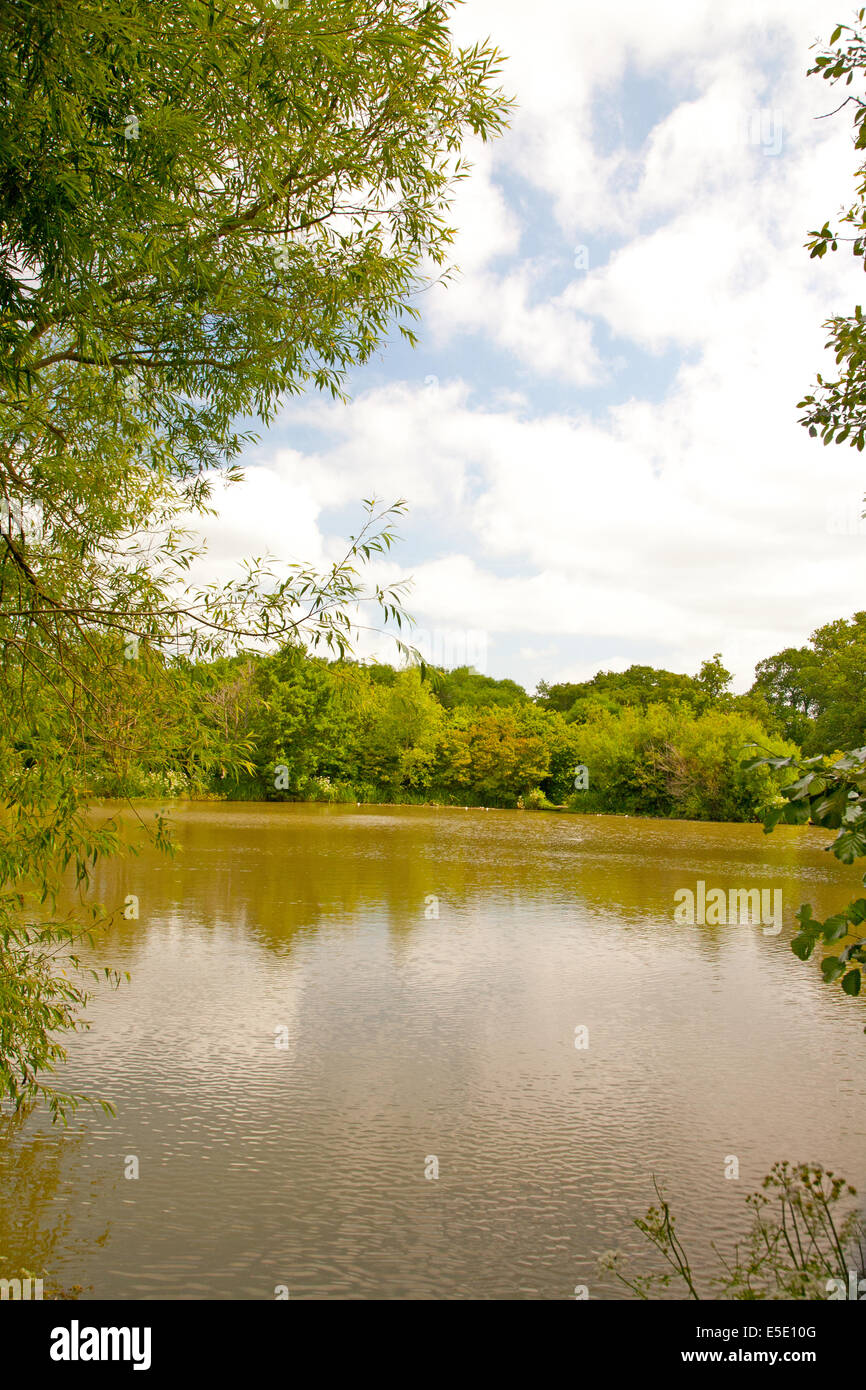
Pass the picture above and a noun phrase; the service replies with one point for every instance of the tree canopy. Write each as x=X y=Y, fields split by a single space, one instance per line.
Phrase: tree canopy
x=636 y=686
x=817 y=691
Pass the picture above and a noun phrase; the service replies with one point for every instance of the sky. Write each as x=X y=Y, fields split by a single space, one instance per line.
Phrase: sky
x=597 y=437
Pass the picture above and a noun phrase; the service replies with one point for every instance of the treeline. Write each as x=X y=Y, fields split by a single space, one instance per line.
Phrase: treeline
x=292 y=726
x=652 y=742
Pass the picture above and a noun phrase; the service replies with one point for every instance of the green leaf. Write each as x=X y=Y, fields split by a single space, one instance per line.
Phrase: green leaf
x=831 y=968
x=803 y=945
x=797 y=812
x=836 y=927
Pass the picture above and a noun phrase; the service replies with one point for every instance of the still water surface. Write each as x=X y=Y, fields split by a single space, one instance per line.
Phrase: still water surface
x=408 y=1036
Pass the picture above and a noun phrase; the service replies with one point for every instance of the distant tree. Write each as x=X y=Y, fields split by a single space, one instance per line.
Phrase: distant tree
x=818 y=692
x=786 y=682
x=466 y=686
x=381 y=674
x=713 y=677
x=669 y=760
x=638 y=686
x=494 y=755
x=397 y=735
x=839 y=684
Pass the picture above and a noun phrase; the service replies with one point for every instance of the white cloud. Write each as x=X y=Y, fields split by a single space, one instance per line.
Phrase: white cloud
x=272 y=512
x=693 y=536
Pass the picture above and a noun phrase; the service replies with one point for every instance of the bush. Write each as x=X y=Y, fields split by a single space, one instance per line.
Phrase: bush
x=668 y=761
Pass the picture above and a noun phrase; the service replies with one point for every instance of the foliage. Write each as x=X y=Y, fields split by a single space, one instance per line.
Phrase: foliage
x=713 y=677
x=831 y=793
x=666 y=760
x=817 y=692
x=398 y=737
x=494 y=756
x=342 y=730
x=467 y=687
x=638 y=686
x=800 y=1240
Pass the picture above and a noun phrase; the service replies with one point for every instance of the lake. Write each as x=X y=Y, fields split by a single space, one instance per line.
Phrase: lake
x=330 y=1004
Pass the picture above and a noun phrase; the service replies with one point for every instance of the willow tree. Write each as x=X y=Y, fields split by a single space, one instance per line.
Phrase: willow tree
x=203 y=208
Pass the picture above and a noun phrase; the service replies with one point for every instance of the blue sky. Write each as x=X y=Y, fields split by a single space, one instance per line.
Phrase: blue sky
x=597 y=437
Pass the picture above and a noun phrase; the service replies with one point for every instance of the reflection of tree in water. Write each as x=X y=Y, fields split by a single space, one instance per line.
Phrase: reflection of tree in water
x=278 y=874
x=35 y=1213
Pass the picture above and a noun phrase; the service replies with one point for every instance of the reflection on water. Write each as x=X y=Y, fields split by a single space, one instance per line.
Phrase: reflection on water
x=302 y=1035
x=39 y=1193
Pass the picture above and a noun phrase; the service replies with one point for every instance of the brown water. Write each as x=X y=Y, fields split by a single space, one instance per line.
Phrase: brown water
x=410 y=1037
